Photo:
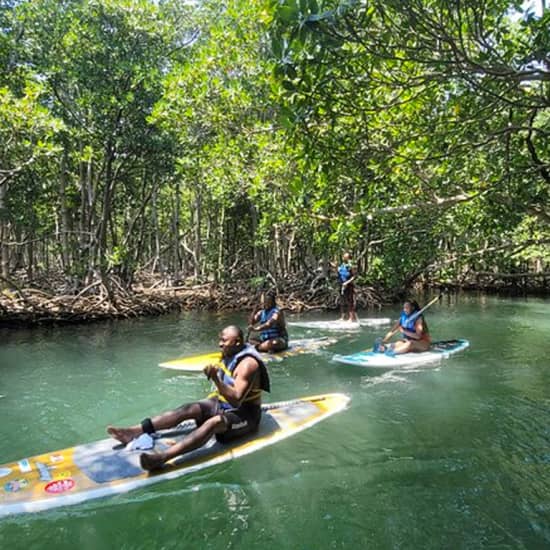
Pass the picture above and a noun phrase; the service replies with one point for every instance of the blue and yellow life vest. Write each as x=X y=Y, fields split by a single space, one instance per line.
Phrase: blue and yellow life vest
x=228 y=366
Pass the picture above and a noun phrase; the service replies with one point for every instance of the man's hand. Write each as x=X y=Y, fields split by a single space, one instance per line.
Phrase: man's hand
x=210 y=371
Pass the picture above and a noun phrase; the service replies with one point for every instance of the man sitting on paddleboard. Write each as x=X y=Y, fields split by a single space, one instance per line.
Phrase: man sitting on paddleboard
x=232 y=410
x=414 y=331
x=271 y=325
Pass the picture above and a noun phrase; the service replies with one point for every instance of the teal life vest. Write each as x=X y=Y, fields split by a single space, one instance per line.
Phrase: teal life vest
x=344 y=272
x=273 y=331
x=408 y=322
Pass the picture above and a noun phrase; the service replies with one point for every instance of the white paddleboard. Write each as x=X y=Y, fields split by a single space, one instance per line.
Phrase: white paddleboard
x=105 y=467
x=341 y=325
x=438 y=351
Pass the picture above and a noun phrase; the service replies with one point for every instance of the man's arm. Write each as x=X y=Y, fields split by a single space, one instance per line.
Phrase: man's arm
x=243 y=376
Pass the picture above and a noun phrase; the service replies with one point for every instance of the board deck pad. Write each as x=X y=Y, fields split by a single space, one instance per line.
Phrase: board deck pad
x=438 y=350
x=196 y=363
x=341 y=325
x=105 y=467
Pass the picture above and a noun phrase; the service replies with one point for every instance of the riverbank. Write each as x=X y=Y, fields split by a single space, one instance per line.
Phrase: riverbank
x=50 y=301
x=28 y=306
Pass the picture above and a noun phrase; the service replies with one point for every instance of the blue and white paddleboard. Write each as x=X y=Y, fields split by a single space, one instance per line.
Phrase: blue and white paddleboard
x=438 y=351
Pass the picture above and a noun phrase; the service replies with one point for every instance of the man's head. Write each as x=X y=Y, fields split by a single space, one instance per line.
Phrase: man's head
x=346 y=256
x=231 y=340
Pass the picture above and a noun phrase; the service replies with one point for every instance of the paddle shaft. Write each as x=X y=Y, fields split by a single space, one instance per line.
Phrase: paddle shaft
x=420 y=312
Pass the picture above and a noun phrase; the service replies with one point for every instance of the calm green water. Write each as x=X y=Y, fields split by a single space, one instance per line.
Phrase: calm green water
x=448 y=456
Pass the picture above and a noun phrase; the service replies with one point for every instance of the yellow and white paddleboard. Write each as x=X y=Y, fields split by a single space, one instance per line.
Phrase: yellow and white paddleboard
x=196 y=363
x=105 y=467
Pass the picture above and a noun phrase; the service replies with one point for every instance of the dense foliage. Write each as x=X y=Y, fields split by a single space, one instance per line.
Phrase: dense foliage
x=248 y=139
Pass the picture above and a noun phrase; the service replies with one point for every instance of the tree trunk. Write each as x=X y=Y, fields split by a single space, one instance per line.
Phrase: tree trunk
x=221 y=238
x=64 y=218
x=4 y=232
x=176 y=230
x=156 y=233
x=197 y=248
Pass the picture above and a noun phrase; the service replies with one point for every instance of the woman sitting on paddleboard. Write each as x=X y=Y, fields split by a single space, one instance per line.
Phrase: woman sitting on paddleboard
x=270 y=323
x=413 y=329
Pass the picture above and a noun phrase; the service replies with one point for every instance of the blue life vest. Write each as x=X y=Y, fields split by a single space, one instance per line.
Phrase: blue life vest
x=408 y=322
x=273 y=331
x=344 y=273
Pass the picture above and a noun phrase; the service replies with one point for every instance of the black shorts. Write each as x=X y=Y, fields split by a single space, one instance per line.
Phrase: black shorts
x=347 y=297
x=240 y=421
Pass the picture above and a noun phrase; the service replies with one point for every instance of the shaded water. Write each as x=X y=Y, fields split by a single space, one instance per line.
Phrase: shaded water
x=449 y=456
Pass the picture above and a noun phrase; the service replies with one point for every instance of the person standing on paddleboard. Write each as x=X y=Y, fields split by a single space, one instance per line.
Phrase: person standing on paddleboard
x=270 y=323
x=232 y=410
x=347 y=274
x=413 y=329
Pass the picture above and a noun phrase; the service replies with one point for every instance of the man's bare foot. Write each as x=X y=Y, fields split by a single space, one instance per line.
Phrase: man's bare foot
x=124 y=435
x=151 y=461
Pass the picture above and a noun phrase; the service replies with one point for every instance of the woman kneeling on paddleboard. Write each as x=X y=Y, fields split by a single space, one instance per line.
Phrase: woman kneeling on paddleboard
x=413 y=329
x=232 y=410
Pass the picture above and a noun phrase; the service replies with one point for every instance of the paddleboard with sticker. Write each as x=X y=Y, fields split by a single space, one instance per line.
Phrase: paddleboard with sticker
x=343 y=326
x=196 y=363
x=438 y=351
x=105 y=467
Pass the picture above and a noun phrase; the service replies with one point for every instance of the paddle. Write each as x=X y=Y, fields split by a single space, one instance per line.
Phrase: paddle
x=421 y=311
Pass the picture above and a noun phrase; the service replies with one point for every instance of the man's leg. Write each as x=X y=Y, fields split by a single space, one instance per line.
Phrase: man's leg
x=168 y=419
x=343 y=304
x=352 y=307
x=197 y=438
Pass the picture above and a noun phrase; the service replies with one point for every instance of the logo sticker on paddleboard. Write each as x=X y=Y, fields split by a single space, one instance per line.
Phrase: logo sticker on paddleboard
x=59 y=486
x=24 y=466
x=16 y=485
